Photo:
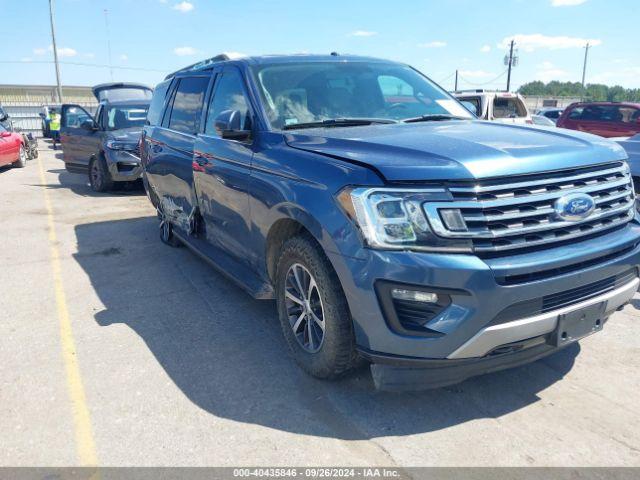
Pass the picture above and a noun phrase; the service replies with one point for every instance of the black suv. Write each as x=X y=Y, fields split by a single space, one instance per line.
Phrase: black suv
x=106 y=145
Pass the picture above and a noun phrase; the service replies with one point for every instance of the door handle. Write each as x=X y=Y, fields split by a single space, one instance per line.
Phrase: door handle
x=156 y=148
x=200 y=160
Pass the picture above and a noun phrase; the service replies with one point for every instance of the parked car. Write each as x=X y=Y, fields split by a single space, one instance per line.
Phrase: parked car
x=607 y=119
x=106 y=146
x=504 y=107
x=552 y=113
x=387 y=222
x=12 y=151
x=542 y=121
x=28 y=141
x=632 y=147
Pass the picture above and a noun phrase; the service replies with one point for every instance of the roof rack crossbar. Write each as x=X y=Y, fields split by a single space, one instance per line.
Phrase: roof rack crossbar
x=200 y=65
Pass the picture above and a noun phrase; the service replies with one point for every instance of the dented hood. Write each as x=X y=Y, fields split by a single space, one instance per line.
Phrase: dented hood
x=456 y=150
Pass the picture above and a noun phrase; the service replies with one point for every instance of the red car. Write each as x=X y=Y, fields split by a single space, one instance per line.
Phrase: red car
x=12 y=150
x=607 y=119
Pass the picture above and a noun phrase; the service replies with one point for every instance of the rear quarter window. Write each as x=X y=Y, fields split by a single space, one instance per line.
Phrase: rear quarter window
x=157 y=103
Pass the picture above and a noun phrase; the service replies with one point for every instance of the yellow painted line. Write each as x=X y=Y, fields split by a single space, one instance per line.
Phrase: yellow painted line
x=85 y=445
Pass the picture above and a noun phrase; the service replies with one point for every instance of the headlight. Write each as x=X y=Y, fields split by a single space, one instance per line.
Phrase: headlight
x=118 y=145
x=394 y=218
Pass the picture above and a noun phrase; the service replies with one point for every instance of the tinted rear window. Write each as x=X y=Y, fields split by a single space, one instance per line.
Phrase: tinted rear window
x=508 y=108
x=157 y=103
x=187 y=104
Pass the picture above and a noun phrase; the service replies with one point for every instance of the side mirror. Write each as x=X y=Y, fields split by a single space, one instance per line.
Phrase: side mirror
x=89 y=125
x=471 y=107
x=3 y=117
x=228 y=124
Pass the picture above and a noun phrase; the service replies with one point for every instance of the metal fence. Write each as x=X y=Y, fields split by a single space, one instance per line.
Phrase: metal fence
x=23 y=103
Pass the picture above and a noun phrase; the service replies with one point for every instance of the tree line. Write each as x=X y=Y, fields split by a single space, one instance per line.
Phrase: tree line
x=595 y=92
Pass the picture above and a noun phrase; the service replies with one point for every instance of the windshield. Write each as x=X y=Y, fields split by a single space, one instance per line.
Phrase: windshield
x=126 y=116
x=297 y=93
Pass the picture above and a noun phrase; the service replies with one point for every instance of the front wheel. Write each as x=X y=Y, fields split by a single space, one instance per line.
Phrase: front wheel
x=22 y=158
x=99 y=176
x=313 y=310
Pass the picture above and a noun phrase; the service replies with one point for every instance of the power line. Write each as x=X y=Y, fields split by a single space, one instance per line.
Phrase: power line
x=475 y=84
x=81 y=64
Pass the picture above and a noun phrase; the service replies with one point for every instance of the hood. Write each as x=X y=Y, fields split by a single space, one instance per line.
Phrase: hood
x=457 y=150
x=113 y=92
x=131 y=134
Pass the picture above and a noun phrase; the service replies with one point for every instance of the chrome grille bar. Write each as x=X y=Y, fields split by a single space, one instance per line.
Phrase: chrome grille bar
x=520 y=214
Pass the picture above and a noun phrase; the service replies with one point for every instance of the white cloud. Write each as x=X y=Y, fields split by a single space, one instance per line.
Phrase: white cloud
x=566 y=3
x=235 y=55
x=434 y=44
x=124 y=57
x=183 y=7
x=362 y=33
x=66 y=52
x=184 y=51
x=476 y=74
x=551 y=74
x=62 y=51
x=26 y=59
x=536 y=41
x=546 y=65
x=485 y=48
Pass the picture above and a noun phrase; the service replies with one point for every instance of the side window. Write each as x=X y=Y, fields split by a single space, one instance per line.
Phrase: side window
x=475 y=101
x=576 y=113
x=508 y=108
x=157 y=103
x=74 y=116
x=629 y=114
x=187 y=105
x=98 y=116
x=229 y=94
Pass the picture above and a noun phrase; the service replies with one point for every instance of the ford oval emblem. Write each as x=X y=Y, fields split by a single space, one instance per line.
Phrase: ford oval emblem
x=574 y=207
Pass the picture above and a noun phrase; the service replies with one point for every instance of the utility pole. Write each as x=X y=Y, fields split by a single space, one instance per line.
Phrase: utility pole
x=55 y=52
x=456 y=87
x=106 y=22
x=584 y=66
x=510 y=64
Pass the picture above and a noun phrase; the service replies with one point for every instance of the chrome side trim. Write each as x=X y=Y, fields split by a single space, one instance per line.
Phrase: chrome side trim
x=491 y=337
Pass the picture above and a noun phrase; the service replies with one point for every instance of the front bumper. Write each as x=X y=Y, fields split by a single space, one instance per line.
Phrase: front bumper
x=124 y=166
x=481 y=291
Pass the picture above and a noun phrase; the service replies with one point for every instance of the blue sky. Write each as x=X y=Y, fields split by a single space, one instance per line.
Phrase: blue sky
x=150 y=38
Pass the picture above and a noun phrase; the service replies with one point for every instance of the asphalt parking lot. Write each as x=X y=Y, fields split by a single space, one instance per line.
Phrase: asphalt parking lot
x=118 y=350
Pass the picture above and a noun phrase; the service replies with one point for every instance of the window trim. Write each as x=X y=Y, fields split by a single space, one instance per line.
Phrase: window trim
x=166 y=120
x=219 y=73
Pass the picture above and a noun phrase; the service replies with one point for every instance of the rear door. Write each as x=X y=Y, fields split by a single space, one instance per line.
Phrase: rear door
x=78 y=139
x=170 y=167
x=222 y=168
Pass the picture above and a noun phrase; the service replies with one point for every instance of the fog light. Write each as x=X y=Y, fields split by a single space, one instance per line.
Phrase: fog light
x=414 y=295
x=453 y=219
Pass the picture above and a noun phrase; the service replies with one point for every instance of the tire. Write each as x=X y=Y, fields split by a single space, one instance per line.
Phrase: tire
x=22 y=159
x=334 y=354
x=99 y=176
x=166 y=231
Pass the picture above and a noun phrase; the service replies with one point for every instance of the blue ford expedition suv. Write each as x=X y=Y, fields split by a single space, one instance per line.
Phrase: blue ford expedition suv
x=387 y=222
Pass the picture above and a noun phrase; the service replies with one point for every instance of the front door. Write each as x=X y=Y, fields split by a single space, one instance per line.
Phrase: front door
x=79 y=137
x=222 y=168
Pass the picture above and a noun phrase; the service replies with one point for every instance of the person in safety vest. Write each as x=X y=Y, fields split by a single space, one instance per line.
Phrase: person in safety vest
x=54 y=126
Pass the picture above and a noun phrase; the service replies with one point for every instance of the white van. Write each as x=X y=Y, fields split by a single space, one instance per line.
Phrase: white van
x=504 y=107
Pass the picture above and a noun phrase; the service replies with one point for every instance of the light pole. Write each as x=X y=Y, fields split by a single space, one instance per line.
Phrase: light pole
x=510 y=60
x=55 y=52
x=584 y=65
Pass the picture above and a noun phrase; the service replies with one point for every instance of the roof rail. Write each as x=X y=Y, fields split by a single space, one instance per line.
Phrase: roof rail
x=200 y=65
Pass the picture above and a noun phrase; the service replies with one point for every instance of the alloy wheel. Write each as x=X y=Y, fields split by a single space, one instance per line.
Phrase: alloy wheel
x=304 y=308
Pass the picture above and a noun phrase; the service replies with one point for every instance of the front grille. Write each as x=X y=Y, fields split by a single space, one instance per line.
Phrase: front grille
x=562 y=299
x=505 y=214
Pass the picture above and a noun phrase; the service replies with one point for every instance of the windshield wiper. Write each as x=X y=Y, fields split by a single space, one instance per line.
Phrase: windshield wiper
x=435 y=117
x=338 y=122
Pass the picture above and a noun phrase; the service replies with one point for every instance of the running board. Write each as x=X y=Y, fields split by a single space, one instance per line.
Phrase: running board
x=234 y=270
